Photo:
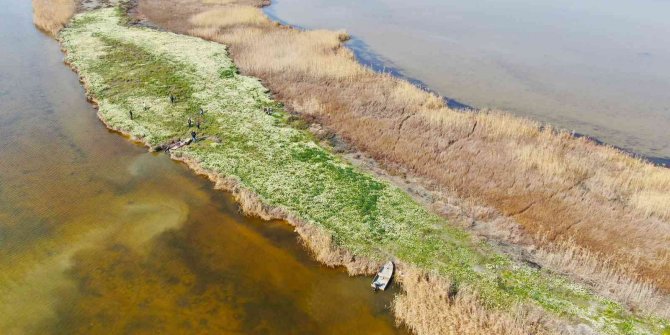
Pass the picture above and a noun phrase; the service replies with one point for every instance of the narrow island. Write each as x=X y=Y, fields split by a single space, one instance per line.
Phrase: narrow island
x=162 y=88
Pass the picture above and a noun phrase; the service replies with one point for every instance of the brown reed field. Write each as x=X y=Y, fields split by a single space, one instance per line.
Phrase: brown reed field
x=554 y=186
x=52 y=15
x=585 y=210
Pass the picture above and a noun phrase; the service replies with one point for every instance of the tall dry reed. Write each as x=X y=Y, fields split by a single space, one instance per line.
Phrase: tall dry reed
x=430 y=306
x=548 y=182
x=607 y=278
x=52 y=15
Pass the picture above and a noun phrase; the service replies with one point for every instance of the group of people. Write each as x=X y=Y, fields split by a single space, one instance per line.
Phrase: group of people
x=197 y=124
x=179 y=142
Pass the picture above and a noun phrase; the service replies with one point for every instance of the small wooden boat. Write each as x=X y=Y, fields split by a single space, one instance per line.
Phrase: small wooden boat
x=173 y=145
x=383 y=277
x=180 y=144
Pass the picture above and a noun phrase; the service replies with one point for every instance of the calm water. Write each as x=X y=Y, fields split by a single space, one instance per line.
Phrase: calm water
x=600 y=68
x=97 y=236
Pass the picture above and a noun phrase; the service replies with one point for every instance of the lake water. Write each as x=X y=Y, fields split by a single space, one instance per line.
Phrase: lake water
x=600 y=68
x=98 y=236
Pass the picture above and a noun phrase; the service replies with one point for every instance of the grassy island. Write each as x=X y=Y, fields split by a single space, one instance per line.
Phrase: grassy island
x=245 y=136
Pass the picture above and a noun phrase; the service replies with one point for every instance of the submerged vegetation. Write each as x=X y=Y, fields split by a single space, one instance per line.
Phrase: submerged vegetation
x=247 y=138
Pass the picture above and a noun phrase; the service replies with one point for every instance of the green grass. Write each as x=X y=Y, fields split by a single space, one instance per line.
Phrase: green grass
x=136 y=69
x=139 y=72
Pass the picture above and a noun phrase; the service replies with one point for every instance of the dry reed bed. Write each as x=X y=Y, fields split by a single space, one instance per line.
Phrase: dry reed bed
x=430 y=306
x=555 y=186
x=427 y=305
x=316 y=239
x=52 y=15
x=407 y=307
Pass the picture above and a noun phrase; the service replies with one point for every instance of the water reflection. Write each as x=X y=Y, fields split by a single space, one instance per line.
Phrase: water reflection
x=97 y=236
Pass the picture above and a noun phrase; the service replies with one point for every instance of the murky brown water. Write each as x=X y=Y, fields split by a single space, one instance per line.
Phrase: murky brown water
x=97 y=236
x=601 y=68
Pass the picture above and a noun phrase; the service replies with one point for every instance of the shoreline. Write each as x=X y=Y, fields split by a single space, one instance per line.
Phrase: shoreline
x=318 y=243
x=251 y=203
x=564 y=139
x=600 y=268
x=377 y=62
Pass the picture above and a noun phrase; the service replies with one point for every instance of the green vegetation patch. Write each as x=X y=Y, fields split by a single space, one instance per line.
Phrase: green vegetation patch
x=130 y=69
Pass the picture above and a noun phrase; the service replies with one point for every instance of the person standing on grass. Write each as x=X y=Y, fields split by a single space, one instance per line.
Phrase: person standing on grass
x=190 y=122
x=193 y=136
x=197 y=125
x=172 y=99
x=131 y=114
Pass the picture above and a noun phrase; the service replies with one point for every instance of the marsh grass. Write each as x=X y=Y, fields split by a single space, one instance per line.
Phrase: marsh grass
x=430 y=305
x=218 y=2
x=52 y=15
x=230 y=16
x=549 y=182
x=282 y=168
x=612 y=281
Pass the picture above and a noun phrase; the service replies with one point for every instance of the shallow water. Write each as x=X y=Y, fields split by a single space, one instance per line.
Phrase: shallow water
x=97 y=236
x=600 y=68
